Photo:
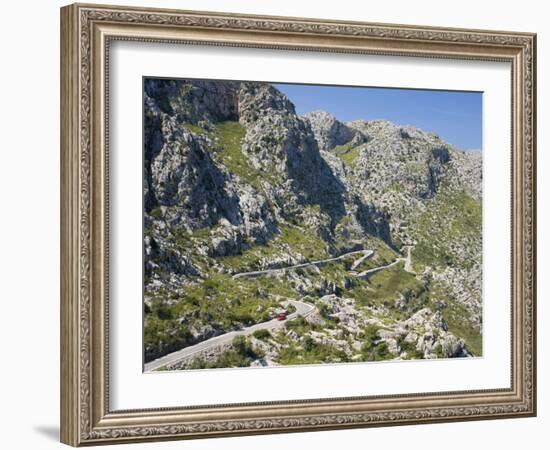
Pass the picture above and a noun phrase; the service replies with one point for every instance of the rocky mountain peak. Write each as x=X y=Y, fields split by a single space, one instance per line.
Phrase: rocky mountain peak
x=330 y=132
x=261 y=99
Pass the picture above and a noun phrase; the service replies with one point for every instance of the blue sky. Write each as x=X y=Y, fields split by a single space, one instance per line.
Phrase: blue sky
x=454 y=116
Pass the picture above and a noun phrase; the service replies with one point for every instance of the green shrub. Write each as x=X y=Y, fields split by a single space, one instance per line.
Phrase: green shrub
x=241 y=354
x=230 y=135
x=164 y=336
x=244 y=348
x=438 y=350
x=193 y=128
x=382 y=351
x=156 y=213
x=160 y=309
x=298 y=325
x=310 y=352
x=262 y=334
x=410 y=348
x=373 y=349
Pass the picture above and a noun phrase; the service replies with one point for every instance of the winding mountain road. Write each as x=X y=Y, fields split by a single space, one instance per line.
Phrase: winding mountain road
x=408 y=266
x=302 y=309
x=367 y=273
x=408 y=260
x=366 y=254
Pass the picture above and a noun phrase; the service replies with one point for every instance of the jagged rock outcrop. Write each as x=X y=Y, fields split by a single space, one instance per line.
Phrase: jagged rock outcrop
x=279 y=142
x=188 y=184
x=330 y=132
x=427 y=333
x=197 y=102
x=400 y=158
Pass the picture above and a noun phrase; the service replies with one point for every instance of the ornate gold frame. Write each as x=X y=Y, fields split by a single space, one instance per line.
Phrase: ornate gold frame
x=86 y=31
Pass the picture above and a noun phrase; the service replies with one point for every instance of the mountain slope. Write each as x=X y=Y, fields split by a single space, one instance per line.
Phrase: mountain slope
x=236 y=181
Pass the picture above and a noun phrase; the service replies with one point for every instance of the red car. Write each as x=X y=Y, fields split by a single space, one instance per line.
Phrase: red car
x=281 y=316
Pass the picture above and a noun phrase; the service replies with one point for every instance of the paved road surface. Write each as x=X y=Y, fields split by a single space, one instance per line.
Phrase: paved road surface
x=408 y=266
x=302 y=309
x=366 y=254
x=367 y=273
x=408 y=261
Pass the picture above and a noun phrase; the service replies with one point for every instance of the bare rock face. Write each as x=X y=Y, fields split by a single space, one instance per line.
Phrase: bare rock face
x=417 y=159
x=187 y=182
x=468 y=170
x=281 y=143
x=330 y=132
x=193 y=101
x=426 y=333
x=416 y=163
x=345 y=310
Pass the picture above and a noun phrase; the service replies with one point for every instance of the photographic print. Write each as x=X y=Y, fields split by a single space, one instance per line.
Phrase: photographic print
x=292 y=224
x=318 y=201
